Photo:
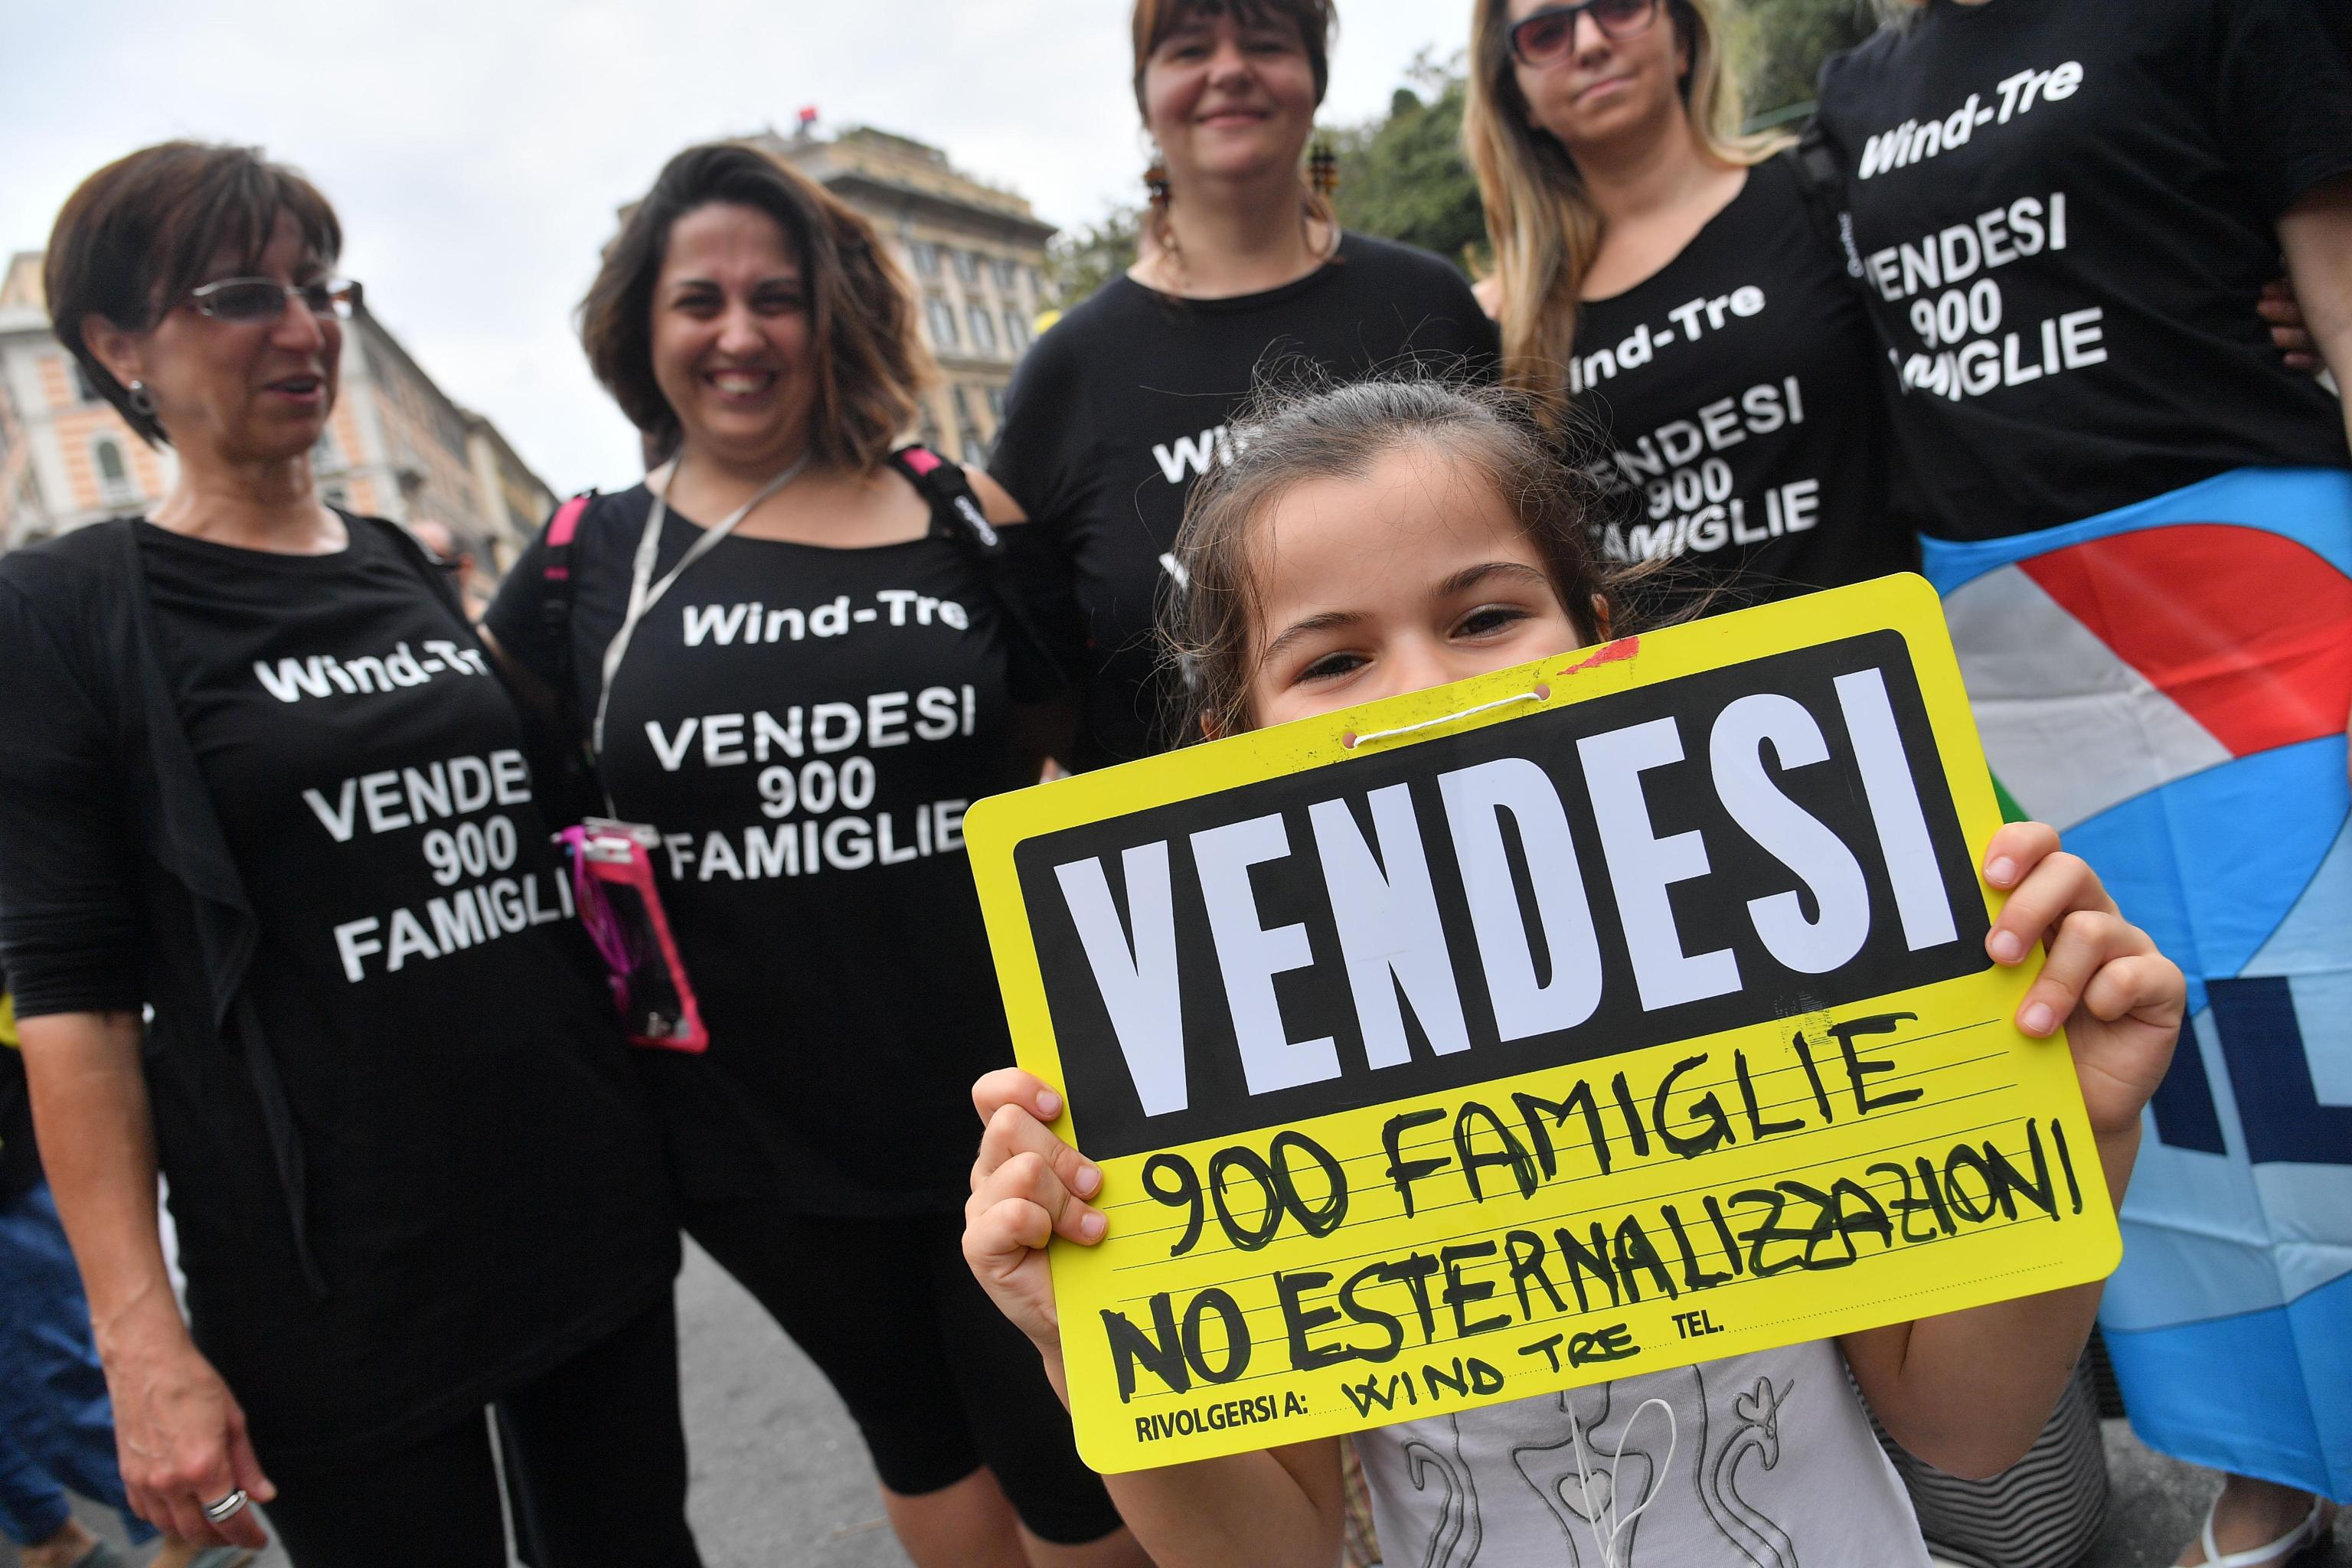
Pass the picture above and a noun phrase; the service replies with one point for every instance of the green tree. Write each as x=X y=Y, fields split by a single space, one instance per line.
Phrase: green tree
x=1781 y=44
x=1082 y=260
x=1403 y=177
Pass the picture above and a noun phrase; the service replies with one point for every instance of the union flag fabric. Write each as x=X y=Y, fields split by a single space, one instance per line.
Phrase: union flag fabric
x=2168 y=684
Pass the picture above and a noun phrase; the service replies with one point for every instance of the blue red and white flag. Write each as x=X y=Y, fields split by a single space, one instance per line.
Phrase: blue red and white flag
x=2167 y=684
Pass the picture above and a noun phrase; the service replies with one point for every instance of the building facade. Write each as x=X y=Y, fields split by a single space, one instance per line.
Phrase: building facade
x=974 y=253
x=397 y=446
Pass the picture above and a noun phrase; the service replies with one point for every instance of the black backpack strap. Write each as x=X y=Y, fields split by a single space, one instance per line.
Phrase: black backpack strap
x=1820 y=175
x=555 y=572
x=956 y=512
x=574 y=790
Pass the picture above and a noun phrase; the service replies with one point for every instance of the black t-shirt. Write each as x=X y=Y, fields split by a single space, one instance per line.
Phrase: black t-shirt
x=1737 y=391
x=1114 y=412
x=485 y=1187
x=2063 y=211
x=807 y=727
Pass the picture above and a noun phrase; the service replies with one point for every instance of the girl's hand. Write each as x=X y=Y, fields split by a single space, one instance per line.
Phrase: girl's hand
x=1027 y=1187
x=2120 y=1000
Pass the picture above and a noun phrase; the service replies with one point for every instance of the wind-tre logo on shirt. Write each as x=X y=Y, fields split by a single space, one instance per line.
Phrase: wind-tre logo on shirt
x=752 y=621
x=1685 y=323
x=1189 y=457
x=324 y=675
x=1915 y=141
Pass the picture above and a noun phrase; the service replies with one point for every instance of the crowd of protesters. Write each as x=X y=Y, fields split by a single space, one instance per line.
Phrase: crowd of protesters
x=286 y=923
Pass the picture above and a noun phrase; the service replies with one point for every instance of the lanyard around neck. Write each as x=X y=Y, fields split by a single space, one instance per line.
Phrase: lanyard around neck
x=644 y=593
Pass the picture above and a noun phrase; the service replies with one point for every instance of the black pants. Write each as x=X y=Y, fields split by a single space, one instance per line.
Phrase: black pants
x=937 y=1379
x=599 y=1455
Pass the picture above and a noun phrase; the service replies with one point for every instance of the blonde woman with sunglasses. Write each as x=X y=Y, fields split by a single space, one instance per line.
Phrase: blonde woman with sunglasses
x=1660 y=271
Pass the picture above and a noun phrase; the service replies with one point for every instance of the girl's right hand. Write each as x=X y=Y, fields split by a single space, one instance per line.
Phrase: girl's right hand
x=1027 y=1187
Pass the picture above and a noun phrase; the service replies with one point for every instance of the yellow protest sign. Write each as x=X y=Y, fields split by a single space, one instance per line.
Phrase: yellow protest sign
x=1604 y=1016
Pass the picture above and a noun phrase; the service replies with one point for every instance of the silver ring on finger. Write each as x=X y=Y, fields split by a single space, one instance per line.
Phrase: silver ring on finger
x=228 y=1508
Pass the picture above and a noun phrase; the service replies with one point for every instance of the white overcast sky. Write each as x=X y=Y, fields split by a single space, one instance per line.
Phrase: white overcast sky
x=477 y=150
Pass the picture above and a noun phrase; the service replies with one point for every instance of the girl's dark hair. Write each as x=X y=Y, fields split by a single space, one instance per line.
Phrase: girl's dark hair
x=1285 y=436
x=869 y=362
x=137 y=236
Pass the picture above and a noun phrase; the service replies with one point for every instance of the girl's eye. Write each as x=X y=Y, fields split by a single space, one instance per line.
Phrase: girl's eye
x=1488 y=619
x=781 y=304
x=1332 y=666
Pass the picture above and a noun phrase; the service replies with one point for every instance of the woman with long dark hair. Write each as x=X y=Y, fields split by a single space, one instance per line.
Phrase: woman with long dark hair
x=793 y=657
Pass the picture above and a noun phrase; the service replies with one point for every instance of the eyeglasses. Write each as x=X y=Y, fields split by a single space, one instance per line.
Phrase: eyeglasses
x=1548 y=38
x=254 y=302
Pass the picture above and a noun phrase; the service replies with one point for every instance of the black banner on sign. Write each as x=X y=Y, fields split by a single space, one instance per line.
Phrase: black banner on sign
x=1765 y=840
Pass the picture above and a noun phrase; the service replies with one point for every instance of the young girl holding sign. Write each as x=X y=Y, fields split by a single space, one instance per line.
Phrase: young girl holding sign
x=1391 y=536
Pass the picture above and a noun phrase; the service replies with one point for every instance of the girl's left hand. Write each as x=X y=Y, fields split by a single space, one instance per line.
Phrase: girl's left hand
x=2120 y=1000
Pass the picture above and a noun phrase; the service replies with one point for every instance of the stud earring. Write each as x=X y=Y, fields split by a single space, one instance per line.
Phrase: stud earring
x=142 y=400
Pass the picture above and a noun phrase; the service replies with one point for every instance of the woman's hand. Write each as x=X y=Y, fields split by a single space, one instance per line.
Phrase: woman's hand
x=2120 y=1000
x=1027 y=1187
x=2282 y=313
x=181 y=1439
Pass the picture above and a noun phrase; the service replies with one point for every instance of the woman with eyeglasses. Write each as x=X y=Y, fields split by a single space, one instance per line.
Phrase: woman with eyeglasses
x=2142 y=527
x=1114 y=413
x=282 y=921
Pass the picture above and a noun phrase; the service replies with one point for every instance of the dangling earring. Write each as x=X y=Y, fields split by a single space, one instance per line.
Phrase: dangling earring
x=141 y=401
x=1323 y=169
x=1155 y=179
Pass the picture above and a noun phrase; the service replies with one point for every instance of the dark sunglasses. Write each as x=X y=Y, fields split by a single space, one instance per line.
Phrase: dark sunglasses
x=1548 y=38
x=252 y=302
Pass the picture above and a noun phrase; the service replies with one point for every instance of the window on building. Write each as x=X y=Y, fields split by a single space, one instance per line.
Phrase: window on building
x=1036 y=284
x=335 y=495
x=983 y=328
x=1016 y=331
x=967 y=265
x=926 y=257
x=326 y=456
x=83 y=388
x=962 y=406
x=114 y=481
x=996 y=405
x=941 y=316
x=1008 y=274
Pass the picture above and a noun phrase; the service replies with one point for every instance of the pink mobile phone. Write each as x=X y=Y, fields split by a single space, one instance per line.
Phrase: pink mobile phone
x=613 y=886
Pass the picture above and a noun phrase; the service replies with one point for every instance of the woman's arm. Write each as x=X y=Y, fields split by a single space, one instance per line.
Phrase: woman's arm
x=1045 y=730
x=2316 y=236
x=2316 y=233
x=180 y=1434
x=1279 y=1508
x=1969 y=1391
